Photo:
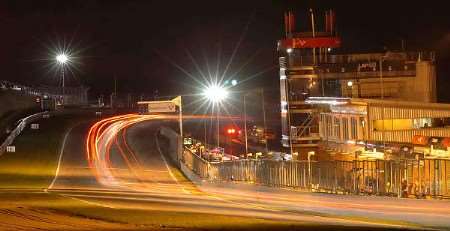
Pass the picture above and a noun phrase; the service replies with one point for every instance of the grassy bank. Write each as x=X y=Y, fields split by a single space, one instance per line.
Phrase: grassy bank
x=33 y=164
x=15 y=106
x=63 y=211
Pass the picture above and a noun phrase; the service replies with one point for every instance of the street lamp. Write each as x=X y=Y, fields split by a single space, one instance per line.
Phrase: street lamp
x=62 y=59
x=310 y=153
x=350 y=86
x=216 y=94
x=350 y=83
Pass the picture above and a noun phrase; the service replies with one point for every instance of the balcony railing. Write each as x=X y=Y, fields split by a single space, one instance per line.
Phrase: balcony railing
x=406 y=136
x=307 y=130
x=366 y=74
x=390 y=57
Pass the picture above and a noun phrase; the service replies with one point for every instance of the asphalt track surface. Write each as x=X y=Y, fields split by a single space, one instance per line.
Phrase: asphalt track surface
x=118 y=163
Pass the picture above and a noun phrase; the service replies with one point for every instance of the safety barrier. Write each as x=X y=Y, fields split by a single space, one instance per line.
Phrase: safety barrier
x=175 y=144
x=403 y=178
x=413 y=178
x=22 y=123
x=196 y=164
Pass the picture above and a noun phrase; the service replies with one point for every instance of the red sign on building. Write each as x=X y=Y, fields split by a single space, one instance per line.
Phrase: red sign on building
x=445 y=142
x=420 y=140
x=332 y=42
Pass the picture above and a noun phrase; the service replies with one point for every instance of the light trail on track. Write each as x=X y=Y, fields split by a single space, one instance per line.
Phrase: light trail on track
x=111 y=133
x=126 y=179
x=102 y=135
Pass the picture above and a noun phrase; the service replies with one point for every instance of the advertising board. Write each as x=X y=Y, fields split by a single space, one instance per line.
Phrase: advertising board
x=161 y=107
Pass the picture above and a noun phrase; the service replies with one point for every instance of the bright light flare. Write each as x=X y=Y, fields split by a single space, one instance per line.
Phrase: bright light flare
x=215 y=93
x=62 y=58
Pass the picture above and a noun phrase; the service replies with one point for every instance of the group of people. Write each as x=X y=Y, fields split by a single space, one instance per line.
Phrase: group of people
x=368 y=185
x=414 y=189
x=205 y=153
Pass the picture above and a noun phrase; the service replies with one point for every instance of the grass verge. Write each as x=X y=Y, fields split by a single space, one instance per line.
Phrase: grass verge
x=33 y=164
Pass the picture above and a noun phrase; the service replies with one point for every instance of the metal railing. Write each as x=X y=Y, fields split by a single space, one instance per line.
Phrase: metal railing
x=405 y=178
x=397 y=60
x=72 y=95
x=22 y=123
x=195 y=163
x=403 y=136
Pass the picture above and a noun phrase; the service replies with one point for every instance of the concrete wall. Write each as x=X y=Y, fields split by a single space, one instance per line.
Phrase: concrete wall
x=425 y=84
x=175 y=144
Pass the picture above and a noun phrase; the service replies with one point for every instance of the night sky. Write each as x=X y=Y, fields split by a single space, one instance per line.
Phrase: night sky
x=140 y=41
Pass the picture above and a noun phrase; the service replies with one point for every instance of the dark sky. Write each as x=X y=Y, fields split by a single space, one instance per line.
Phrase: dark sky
x=137 y=40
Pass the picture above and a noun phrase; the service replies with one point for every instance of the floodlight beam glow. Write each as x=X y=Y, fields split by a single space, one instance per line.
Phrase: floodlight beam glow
x=62 y=58
x=215 y=93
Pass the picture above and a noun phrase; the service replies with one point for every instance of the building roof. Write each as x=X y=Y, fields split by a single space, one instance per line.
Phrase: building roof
x=376 y=102
x=402 y=104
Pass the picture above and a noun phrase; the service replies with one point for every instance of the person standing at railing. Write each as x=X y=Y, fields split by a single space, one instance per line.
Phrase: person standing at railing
x=404 y=189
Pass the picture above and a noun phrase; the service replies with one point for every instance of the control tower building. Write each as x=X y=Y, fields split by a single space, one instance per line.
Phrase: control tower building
x=311 y=65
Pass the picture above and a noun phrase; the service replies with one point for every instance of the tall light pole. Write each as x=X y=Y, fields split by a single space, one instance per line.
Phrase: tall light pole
x=62 y=59
x=313 y=26
x=245 y=126
x=264 y=118
x=382 y=98
x=381 y=76
x=178 y=101
x=218 y=125
x=216 y=94
x=261 y=91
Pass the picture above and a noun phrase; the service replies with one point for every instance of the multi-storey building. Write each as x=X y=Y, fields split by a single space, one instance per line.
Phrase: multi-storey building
x=312 y=65
x=383 y=129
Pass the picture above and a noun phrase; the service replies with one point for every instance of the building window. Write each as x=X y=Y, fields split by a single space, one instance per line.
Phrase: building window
x=337 y=127
x=345 y=129
x=392 y=124
x=354 y=128
x=321 y=125
x=422 y=123
x=329 y=126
